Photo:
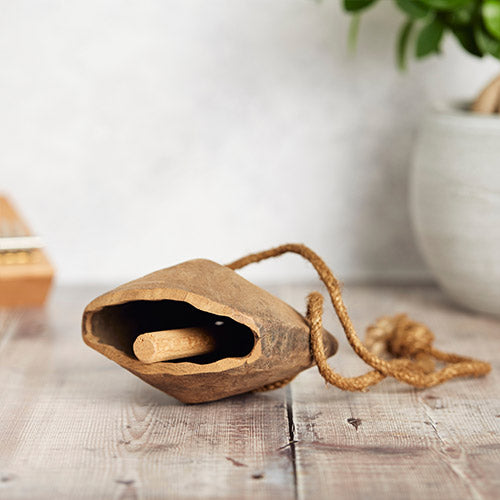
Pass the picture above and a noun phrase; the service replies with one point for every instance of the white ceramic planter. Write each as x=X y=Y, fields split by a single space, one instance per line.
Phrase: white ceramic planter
x=455 y=204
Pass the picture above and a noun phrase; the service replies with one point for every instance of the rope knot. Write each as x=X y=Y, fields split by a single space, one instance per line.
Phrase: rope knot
x=399 y=336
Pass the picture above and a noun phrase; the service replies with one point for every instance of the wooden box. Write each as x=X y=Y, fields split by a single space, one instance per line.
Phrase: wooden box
x=25 y=275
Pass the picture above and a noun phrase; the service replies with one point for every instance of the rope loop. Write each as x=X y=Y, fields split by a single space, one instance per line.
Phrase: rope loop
x=409 y=342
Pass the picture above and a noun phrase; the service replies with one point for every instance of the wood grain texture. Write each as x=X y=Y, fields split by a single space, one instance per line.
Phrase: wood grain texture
x=395 y=441
x=75 y=425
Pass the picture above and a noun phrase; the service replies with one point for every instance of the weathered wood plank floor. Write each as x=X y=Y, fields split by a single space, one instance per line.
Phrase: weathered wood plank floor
x=74 y=425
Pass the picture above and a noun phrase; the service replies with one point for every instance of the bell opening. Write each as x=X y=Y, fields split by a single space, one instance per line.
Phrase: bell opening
x=119 y=326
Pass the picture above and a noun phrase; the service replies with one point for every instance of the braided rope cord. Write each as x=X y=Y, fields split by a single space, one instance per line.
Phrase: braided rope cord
x=408 y=341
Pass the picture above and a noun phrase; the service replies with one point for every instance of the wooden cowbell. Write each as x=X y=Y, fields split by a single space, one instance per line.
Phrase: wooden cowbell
x=229 y=335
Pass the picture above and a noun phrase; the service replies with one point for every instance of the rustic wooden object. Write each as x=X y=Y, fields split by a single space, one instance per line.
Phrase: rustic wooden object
x=488 y=101
x=25 y=276
x=167 y=345
x=268 y=341
x=74 y=425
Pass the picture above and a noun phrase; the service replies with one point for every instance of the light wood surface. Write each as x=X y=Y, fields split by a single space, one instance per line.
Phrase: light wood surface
x=488 y=101
x=75 y=425
x=165 y=345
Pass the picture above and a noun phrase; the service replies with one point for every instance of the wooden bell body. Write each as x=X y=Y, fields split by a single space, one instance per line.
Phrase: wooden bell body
x=268 y=342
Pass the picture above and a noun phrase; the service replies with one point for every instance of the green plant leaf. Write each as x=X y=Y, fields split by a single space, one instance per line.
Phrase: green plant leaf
x=357 y=5
x=486 y=42
x=446 y=4
x=402 y=44
x=429 y=38
x=491 y=17
x=461 y=17
x=413 y=8
x=465 y=35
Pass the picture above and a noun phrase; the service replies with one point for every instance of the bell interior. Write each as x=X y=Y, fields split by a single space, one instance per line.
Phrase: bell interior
x=119 y=325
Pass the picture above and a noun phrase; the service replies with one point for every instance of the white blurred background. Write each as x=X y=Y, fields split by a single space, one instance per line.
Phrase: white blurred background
x=137 y=134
